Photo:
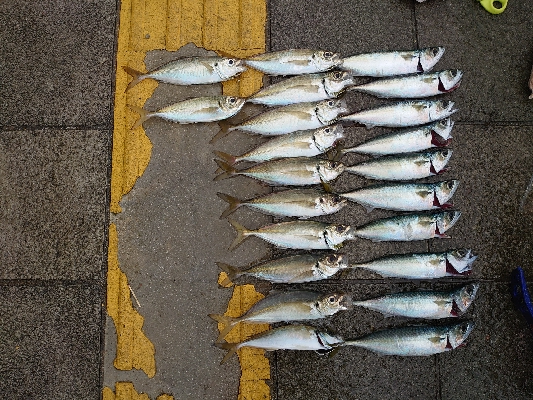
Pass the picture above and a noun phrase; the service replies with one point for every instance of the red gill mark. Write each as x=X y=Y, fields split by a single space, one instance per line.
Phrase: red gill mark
x=432 y=169
x=438 y=141
x=436 y=202
x=442 y=89
x=448 y=344
x=456 y=311
x=450 y=269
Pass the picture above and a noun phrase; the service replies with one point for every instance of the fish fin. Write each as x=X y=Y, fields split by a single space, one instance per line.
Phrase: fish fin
x=228 y=158
x=225 y=128
x=233 y=202
x=230 y=347
x=229 y=323
x=437 y=339
x=136 y=75
x=333 y=352
x=242 y=233
x=229 y=171
x=232 y=272
x=142 y=112
x=326 y=186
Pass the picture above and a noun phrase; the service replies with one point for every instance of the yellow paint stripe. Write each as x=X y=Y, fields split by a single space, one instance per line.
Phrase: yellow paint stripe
x=126 y=391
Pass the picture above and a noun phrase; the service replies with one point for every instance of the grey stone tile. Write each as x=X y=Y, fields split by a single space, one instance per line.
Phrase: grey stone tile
x=50 y=341
x=494 y=51
x=57 y=63
x=54 y=199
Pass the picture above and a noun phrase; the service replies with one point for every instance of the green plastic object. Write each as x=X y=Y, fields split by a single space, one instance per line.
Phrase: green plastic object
x=489 y=5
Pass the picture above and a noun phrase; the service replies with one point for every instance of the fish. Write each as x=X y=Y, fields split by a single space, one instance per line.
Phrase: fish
x=436 y=134
x=392 y=63
x=403 y=167
x=291 y=269
x=287 y=119
x=301 y=203
x=415 y=340
x=304 y=235
x=405 y=196
x=294 y=62
x=290 y=337
x=304 y=88
x=287 y=171
x=455 y=262
x=307 y=143
x=191 y=71
x=198 y=109
x=413 y=86
x=409 y=227
x=295 y=305
x=424 y=304
x=403 y=114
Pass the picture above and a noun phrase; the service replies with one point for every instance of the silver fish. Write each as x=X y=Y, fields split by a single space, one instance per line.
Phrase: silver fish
x=405 y=196
x=296 y=305
x=305 y=235
x=409 y=227
x=392 y=63
x=413 y=86
x=436 y=134
x=297 y=144
x=402 y=114
x=199 y=109
x=422 y=265
x=415 y=340
x=191 y=71
x=287 y=119
x=424 y=304
x=291 y=337
x=294 y=62
x=292 y=269
x=301 y=203
x=304 y=88
x=287 y=171
x=404 y=167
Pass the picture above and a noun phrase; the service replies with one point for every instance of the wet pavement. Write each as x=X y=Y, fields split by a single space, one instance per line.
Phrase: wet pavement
x=55 y=155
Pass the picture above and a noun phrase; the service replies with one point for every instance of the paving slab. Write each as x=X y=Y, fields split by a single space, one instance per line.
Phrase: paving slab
x=58 y=60
x=54 y=187
x=50 y=342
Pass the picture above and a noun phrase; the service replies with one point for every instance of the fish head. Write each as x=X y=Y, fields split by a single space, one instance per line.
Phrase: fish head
x=446 y=219
x=440 y=158
x=327 y=136
x=330 y=203
x=445 y=190
x=441 y=109
x=328 y=110
x=337 y=81
x=429 y=57
x=229 y=67
x=450 y=80
x=336 y=234
x=325 y=60
x=330 y=264
x=465 y=296
x=331 y=303
x=327 y=340
x=231 y=104
x=329 y=170
x=461 y=260
x=443 y=128
x=458 y=333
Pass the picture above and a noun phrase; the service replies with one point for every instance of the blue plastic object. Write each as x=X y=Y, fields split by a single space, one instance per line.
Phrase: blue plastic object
x=520 y=295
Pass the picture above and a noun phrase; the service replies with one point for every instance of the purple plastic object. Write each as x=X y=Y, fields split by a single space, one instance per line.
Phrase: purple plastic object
x=520 y=295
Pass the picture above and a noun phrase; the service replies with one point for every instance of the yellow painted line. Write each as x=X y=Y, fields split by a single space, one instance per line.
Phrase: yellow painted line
x=126 y=391
x=229 y=27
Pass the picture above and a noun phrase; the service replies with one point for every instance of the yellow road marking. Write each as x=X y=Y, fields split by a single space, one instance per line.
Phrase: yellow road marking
x=126 y=391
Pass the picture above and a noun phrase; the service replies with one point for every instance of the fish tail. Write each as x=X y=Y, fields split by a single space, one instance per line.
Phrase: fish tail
x=228 y=158
x=225 y=128
x=242 y=233
x=142 y=112
x=136 y=75
x=229 y=171
x=230 y=347
x=229 y=323
x=233 y=202
x=232 y=272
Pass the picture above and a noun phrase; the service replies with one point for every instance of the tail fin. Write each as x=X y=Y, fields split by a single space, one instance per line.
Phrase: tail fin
x=136 y=75
x=229 y=323
x=230 y=347
x=242 y=233
x=234 y=203
x=229 y=171
x=225 y=156
x=232 y=272
x=225 y=128
x=142 y=112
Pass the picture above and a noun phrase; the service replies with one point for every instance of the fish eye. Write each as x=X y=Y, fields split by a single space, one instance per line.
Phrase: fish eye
x=327 y=130
x=232 y=100
x=328 y=54
x=216 y=64
x=332 y=258
x=444 y=152
x=337 y=75
x=231 y=62
x=435 y=51
x=340 y=228
x=450 y=184
x=461 y=253
x=332 y=299
x=334 y=164
x=337 y=199
x=331 y=103
x=321 y=200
